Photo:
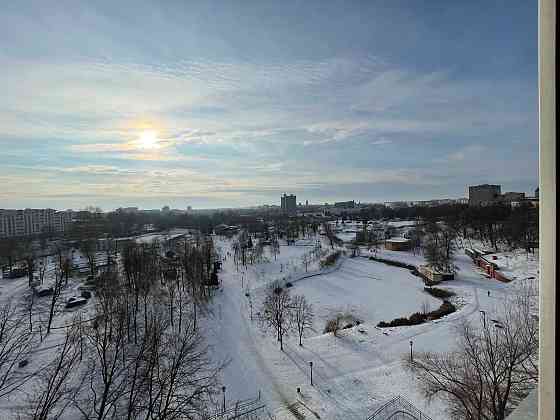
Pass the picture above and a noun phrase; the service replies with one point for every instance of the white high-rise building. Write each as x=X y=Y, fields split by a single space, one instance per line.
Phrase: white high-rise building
x=33 y=221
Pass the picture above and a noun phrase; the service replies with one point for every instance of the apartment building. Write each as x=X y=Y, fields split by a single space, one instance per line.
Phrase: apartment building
x=33 y=221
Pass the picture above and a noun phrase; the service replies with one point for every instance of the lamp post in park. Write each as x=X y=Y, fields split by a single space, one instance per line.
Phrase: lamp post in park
x=224 y=404
x=311 y=371
x=411 y=351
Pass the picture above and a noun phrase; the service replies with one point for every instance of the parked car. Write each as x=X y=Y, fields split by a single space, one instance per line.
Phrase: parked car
x=75 y=301
x=43 y=291
x=86 y=294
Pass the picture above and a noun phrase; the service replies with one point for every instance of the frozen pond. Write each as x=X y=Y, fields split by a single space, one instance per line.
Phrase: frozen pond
x=373 y=291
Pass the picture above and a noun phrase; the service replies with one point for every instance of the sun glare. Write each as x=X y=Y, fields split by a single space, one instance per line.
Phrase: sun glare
x=148 y=140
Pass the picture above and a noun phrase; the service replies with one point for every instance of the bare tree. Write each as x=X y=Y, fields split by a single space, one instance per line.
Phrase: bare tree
x=9 y=250
x=494 y=367
x=181 y=379
x=29 y=256
x=306 y=260
x=334 y=324
x=416 y=235
x=302 y=315
x=57 y=383
x=275 y=246
x=15 y=340
x=57 y=289
x=439 y=247
x=276 y=312
x=425 y=308
x=163 y=372
x=88 y=247
x=106 y=363
x=42 y=269
x=329 y=234
x=354 y=247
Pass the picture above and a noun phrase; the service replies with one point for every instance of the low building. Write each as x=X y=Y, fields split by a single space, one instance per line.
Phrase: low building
x=345 y=204
x=433 y=275
x=398 y=204
x=397 y=244
x=226 y=230
x=509 y=197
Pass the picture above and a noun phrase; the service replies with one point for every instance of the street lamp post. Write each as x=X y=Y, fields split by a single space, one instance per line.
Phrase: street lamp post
x=311 y=371
x=224 y=404
x=483 y=318
x=411 y=351
x=251 y=308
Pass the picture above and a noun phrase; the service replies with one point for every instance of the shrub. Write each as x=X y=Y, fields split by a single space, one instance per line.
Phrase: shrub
x=331 y=326
x=439 y=293
x=289 y=284
x=417 y=318
x=397 y=322
x=330 y=259
x=446 y=308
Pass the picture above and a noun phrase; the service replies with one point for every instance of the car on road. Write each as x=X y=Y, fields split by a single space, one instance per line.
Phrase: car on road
x=75 y=301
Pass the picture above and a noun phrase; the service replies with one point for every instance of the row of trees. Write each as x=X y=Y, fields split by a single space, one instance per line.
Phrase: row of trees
x=141 y=356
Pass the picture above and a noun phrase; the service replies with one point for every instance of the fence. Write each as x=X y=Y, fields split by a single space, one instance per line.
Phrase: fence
x=243 y=409
x=396 y=409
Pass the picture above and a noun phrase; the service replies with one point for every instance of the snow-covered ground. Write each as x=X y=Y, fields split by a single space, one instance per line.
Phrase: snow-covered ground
x=360 y=369
x=352 y=373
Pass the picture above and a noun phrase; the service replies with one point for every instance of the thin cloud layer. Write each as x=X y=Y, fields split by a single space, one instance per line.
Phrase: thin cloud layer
x=227 y=119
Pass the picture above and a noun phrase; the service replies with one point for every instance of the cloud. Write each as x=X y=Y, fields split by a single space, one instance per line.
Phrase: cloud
x=234 y=126
x=469 y=152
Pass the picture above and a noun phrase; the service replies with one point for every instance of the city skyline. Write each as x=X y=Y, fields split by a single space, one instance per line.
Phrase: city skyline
x=217 y=105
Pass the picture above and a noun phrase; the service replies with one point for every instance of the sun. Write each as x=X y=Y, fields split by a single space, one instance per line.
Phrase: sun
x=148 y=140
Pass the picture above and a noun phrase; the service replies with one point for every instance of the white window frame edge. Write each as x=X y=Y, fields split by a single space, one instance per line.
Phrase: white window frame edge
x=547 y=208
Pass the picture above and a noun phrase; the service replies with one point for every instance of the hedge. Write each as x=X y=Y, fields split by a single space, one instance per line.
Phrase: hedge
x=416 y=318
x=439 y=293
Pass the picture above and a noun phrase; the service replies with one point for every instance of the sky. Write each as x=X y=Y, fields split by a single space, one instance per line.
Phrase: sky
x=232 y=103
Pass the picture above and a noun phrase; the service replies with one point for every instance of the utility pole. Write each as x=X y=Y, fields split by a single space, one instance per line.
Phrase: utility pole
x=251 y=307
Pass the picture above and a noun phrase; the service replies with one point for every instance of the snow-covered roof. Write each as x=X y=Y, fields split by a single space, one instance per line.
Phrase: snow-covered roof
x=397 y=240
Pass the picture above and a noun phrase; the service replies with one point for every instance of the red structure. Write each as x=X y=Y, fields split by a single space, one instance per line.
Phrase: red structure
x=491 y=269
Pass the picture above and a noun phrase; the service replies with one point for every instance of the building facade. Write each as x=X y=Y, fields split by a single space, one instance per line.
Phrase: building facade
x=288 y=203
x=27 y=222
x=345 y=204
x=480 y=195
x=510 y=197
x=397 y=244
